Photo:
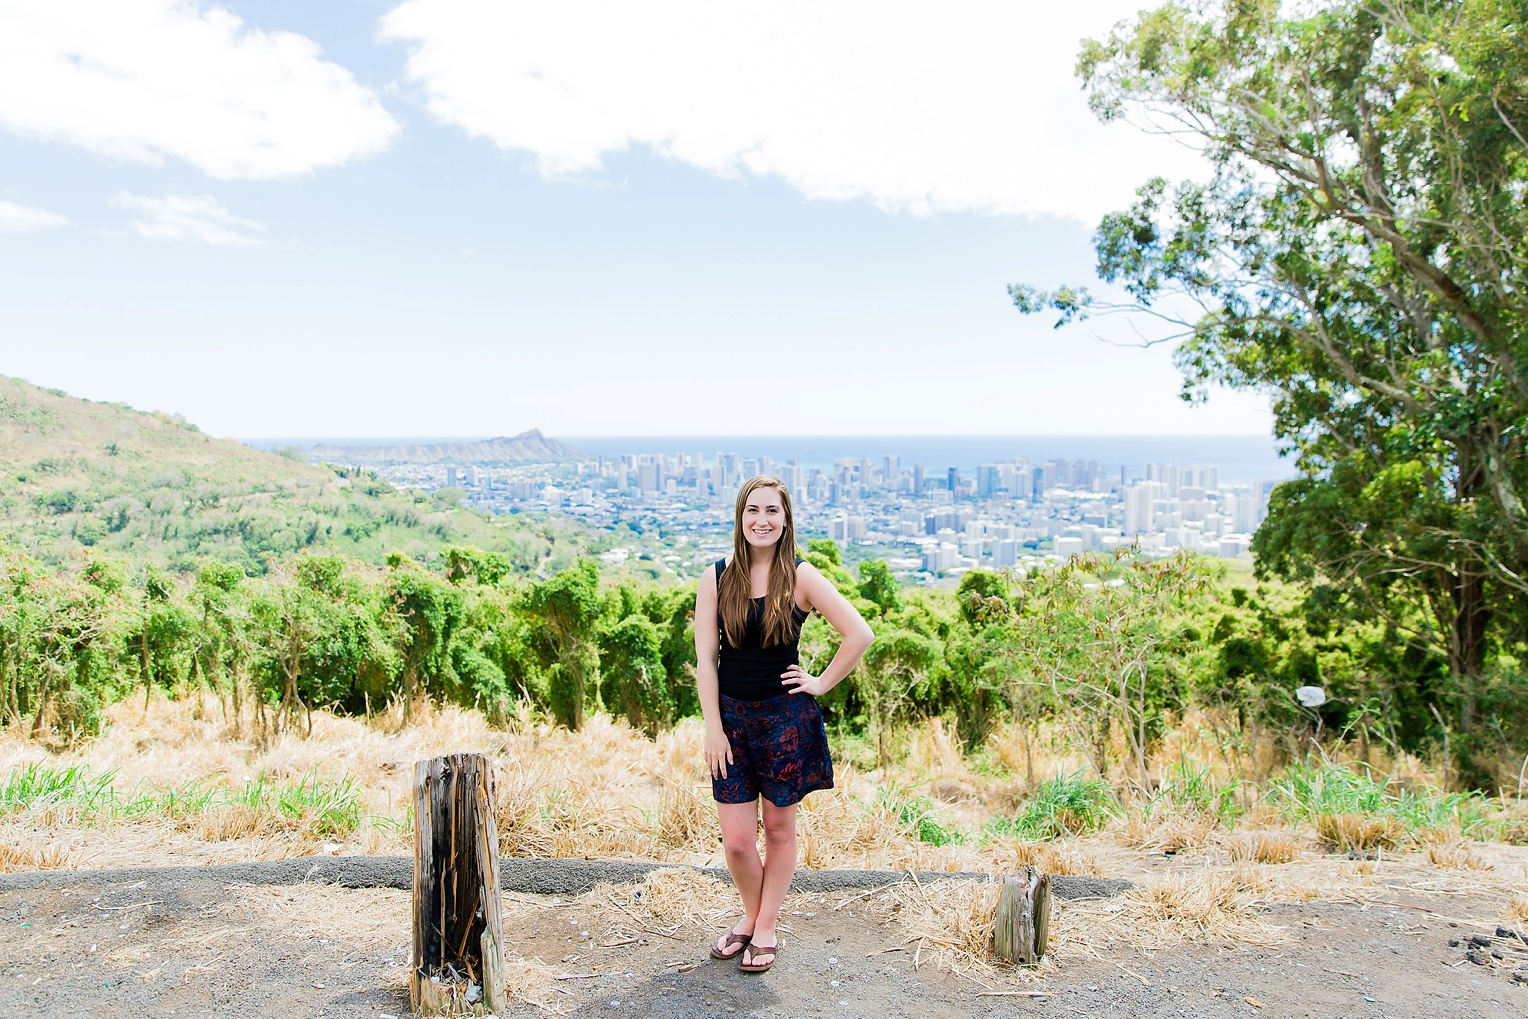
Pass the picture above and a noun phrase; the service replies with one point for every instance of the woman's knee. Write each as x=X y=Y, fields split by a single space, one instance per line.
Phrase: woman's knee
x=780 y=829
x=738 y=844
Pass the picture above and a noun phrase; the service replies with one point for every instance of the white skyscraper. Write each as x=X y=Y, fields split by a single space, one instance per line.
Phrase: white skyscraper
x=1139 y=500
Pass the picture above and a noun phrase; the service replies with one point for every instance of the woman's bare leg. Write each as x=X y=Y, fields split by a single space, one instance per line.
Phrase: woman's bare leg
x=779 y=868
x=740 y=832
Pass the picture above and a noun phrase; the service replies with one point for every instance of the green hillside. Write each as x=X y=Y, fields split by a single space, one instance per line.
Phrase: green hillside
x=76 y=473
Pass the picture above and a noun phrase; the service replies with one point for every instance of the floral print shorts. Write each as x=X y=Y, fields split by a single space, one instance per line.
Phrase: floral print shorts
x=779 y=750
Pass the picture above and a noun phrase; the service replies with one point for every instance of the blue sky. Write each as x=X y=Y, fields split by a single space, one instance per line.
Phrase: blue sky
x=458 y=217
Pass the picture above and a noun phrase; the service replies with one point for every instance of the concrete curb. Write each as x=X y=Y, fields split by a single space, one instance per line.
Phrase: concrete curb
x=517 y=874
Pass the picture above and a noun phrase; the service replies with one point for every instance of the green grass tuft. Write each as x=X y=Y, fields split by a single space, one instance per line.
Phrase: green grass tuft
x=37 y=785
x=1308 y=792
x=1062 y=806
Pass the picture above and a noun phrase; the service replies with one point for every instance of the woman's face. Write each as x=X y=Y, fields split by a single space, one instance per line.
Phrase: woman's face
x=763 y=517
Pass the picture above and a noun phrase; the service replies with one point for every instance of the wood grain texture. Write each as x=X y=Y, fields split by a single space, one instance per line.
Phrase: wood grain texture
x=458 y=939
x=1021 y=932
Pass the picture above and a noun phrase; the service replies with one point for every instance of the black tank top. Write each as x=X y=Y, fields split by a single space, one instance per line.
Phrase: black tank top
x=752 y=672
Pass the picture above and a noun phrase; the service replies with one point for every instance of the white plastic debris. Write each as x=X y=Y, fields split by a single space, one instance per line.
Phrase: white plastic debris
x=1311 y=696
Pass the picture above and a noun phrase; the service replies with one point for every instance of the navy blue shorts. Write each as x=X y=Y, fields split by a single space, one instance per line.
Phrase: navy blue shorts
x=779 y=750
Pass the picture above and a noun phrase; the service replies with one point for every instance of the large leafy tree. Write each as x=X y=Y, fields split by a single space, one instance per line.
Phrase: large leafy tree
x=569 y=607
x=1359 y=253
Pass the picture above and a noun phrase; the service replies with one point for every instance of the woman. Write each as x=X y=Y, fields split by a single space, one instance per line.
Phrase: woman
x=765 y=742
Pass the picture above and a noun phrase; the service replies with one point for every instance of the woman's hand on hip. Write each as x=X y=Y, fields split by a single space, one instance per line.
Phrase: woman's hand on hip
x=804 y=681
x=718 y=752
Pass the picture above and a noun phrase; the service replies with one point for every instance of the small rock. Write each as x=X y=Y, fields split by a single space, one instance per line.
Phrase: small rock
x=1503 y=932
x=1479 y=941
x=1478 y=957
x=1518 y=977
x=1454 y=942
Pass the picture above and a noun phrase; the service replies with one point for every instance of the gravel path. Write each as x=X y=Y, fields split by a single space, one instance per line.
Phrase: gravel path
x=252 y=941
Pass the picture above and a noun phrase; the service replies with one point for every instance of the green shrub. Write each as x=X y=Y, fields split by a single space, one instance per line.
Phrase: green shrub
x=918 y=815
x=1188 y=786
x=1062 y=806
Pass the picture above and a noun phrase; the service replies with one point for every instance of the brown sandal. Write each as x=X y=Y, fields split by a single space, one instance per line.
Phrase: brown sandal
x=773 y=951
x=728 y=942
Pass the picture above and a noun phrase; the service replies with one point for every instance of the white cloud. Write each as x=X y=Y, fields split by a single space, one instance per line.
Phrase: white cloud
x=23 y=219
x=141 y=80
x=918 y=106
x=188 y=218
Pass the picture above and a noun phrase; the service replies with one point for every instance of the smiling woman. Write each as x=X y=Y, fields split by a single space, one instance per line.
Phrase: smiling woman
x=765 y=742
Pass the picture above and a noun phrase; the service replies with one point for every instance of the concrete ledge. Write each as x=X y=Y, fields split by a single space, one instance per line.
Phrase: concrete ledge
x=517 y=874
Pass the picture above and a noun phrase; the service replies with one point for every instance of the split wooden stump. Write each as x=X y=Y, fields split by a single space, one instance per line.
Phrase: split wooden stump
x=1023 y=917
x=458 y=959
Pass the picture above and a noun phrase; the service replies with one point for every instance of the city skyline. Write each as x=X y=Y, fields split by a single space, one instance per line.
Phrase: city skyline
x=928 y=523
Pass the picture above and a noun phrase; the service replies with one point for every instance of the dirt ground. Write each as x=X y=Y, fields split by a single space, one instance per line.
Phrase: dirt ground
x=183 y=943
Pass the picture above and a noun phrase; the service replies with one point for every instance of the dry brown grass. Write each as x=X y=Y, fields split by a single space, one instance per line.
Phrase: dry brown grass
x=951 y=921
x=1362 y=832
x=1168 y=831
x=1457 y=855
x=1269 y=847
x=1197 y=905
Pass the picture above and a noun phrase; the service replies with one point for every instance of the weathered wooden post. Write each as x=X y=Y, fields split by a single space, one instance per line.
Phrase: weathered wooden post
x=458 y=960
x=1022 y=931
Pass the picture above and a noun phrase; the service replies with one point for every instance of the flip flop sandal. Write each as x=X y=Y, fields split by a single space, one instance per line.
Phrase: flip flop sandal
x=731 y=939
x=773 y=951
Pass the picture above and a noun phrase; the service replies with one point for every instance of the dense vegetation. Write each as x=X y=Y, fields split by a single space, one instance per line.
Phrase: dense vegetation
x=1359 y=253
x=1111 y=651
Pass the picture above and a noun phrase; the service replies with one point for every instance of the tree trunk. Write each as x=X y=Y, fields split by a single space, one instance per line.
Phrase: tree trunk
x=148 y=675
x=457 y=966
x=1022 y=929
x=1467 y=640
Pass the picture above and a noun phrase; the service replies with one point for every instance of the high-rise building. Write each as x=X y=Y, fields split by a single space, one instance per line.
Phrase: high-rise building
x=450 y=477
x=649 y=474
x=1202 y=476
x=918 y=478
x=953 y=479
x=1139 y=506
x=1261 y=490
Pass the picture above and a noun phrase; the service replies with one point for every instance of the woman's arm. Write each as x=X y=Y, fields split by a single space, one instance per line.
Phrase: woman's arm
x=820 y=594
x=707 y=646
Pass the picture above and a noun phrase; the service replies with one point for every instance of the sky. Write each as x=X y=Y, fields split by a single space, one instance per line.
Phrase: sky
x=477 y=217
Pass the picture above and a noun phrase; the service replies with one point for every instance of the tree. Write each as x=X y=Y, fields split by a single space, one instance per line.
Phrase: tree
x=426 y=611
x=879 y=586
x=1100 y=649
x=632 y=673
x=1359 y=253
x=163 y=631
x=569 y=606
x=893 y=667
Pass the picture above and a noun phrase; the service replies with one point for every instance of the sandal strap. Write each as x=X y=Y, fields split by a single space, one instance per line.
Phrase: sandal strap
x=754 y=951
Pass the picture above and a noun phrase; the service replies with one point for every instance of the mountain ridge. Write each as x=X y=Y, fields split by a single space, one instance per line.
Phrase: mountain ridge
x=527 y=447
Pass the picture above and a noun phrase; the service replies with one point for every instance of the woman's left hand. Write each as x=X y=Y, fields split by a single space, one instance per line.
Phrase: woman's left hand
x=804 y=680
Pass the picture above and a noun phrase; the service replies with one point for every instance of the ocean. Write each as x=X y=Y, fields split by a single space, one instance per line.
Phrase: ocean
x=1242 y=459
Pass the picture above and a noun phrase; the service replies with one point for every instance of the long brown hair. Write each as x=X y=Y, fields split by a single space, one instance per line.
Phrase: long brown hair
x=734 y=588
